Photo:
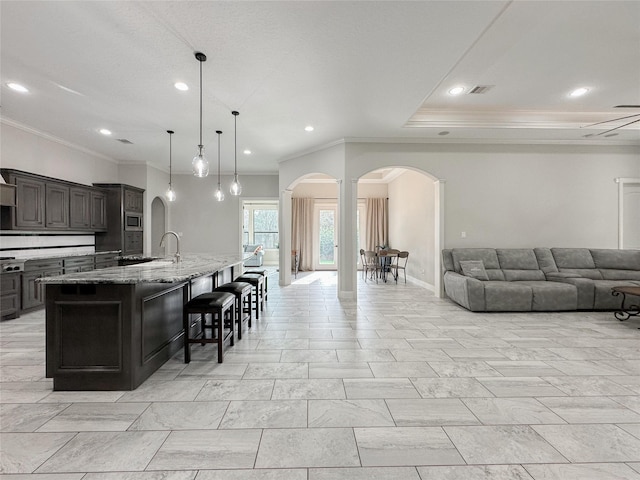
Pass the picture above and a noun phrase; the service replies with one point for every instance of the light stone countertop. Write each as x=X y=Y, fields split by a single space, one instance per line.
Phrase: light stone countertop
x=67 y=255
x=157 y=271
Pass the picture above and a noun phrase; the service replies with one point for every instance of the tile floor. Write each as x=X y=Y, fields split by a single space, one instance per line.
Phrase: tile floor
x=401 y=385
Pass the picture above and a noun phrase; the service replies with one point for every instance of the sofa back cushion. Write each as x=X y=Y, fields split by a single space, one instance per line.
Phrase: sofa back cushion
x=545 y=260
x=487 y=255
x=517 y=259
x=573 y=258
x=447 y=260
x=616 y=259
x=520 y=275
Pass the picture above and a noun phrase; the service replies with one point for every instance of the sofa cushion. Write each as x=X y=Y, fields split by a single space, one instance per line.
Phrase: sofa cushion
x=552 y=296
x=507 y=297
x=517 y=259
x=604 y=299
x=518 y=275
x=495 y=274
x=592 y=273
x=616 y=259
x=584 y=286
x=474 y=269
x=573 y=258
x=611 y=274
x=447 y=260
x=487 y=255
x=545 y=259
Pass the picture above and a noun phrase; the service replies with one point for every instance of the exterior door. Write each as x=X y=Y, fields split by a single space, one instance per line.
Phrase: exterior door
x=326 y=240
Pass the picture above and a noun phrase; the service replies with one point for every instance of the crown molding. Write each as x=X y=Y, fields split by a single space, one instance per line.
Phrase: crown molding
x=47 y=136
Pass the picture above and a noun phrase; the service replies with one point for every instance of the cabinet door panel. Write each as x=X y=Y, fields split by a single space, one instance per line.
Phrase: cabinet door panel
x=79 y=208
x=132 y=243
x=57 y=206
x=98 y=211
x=29 y=203
x=133 y=201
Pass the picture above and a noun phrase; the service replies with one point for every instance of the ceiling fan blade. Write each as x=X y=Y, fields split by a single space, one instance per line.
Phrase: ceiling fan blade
x=616 y=128
x=612 y=120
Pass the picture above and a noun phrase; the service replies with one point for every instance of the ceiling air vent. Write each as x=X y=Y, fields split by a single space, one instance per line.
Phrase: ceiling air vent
x=125 y=141
x=627 y=106
x=480 y=89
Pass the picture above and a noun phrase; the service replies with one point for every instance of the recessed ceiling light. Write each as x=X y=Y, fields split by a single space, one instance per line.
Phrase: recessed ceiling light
x=308 y=128
x=17 y=87
x=104 y=131
x=456 y=90
x=578 y=92
x=181 y=86
x=247 y=152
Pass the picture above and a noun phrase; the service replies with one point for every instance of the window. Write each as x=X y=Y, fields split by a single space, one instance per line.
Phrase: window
x=260 y=224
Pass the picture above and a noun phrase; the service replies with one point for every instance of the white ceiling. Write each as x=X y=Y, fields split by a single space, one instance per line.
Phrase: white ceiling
x=356 y=69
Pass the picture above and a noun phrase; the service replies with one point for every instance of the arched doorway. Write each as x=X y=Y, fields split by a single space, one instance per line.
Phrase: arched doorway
x=310 y=224
x=400 y=208
x=158 y=226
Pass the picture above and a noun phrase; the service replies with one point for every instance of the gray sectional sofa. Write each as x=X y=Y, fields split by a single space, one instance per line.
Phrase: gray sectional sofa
x=538 y=279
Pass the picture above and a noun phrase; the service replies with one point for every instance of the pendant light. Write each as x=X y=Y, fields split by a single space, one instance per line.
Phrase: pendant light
x=236 y=188
x=170 y=195
x=219 y=195
x=200 y=163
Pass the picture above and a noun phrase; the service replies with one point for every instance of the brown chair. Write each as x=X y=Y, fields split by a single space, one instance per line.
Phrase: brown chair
x=265 y=275
x=221 y=306
x=401 y=264
x=257 y=282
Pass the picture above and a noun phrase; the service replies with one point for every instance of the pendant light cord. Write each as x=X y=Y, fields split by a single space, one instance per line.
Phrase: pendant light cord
x=235 y=144
x=170 y=132
x=200 y=145
x=218 y=132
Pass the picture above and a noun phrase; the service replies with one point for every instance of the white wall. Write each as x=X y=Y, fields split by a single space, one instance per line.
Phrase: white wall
x=24 y=150
x=210 y=226
x=412 y=223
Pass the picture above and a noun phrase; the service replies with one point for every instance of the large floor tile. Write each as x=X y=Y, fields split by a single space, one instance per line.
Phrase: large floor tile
x=449 y=387
x=502 y=444
x=475 y=472
x=520 y=387
x=205 y=449
x=95 y=417
x=259 y=371
x=364 y=473
x=505 y=411
x=24 y=452
x=349 y=413
x=401 y=369
x=235 y=390
x=313 y=388
x=265 y=414
x=181 y=416
x=27 y=417
x=592 y=443
x=165 y=391
x=314 y=447
x=430 y=412
x=590 y=410
x=271 y=474
x=105 y=451
x=380 y=388
x=402 y=446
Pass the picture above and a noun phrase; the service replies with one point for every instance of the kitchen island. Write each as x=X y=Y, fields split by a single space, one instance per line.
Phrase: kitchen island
x=110 y=329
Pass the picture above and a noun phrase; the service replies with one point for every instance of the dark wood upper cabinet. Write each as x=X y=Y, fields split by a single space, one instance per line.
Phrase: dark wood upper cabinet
x=98 y=211
x=56 y=206
x=30 y=199
x=80 y=208
x=133 y=201
x=44 y=203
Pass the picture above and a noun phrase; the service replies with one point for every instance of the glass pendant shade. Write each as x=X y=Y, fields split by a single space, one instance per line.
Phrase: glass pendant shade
x=235 y=188
x=170 y=195
x=200 y=163
x=219 y=194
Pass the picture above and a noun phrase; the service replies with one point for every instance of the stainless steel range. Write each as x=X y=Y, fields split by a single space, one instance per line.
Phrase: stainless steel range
x=11 y=264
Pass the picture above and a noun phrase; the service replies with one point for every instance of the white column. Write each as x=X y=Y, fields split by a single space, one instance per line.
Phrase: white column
x=346 y=234
x=285 y=237
x=439 y=240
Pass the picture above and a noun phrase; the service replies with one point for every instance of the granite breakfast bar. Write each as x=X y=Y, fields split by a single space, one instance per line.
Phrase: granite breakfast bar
x=110 y=329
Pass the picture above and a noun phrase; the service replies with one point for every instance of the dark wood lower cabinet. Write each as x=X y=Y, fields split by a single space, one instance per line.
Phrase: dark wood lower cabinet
x=9 y=295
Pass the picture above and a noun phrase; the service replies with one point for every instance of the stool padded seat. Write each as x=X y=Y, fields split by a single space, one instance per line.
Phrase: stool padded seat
x=210 y=299
x=234 y=287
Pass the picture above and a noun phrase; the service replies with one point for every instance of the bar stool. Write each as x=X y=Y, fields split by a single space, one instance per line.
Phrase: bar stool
x=266 y=281
x=257 y=282
x=242 y=293
x=221 y=306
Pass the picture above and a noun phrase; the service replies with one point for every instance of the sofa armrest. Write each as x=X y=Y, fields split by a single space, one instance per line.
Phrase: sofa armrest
x=466 y=291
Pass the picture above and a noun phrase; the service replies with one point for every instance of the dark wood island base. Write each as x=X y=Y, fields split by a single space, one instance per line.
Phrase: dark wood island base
x=113 y=336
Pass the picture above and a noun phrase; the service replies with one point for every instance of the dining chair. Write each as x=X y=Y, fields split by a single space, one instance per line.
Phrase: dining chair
x=401 y=264
x=371 y=265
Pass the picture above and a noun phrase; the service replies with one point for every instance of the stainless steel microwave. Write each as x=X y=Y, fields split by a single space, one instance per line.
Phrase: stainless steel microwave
x=132 y=221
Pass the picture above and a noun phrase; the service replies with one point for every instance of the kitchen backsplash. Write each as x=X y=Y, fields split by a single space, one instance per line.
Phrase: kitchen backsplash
x=27 y=245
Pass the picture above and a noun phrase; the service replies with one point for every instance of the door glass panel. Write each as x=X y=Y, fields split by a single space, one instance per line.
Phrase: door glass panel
x=327 y=237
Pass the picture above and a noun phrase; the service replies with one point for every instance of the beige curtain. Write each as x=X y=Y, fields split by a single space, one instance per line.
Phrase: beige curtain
x=302 y=231
x=377 y=224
